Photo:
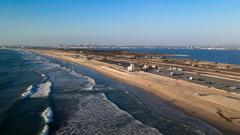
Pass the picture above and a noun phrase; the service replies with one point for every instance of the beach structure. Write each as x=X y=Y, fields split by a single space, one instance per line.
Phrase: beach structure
x=175 y=69
x=132 y=67
x=172 y=73
x=153 y=66
x=145 y=67
x=180 y=69
x=187 y=62
x=160 y=68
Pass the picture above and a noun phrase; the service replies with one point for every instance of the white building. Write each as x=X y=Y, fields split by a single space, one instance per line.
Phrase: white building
x=131 y=68
x=145 y=66
x=180 y=69
x=175 y=68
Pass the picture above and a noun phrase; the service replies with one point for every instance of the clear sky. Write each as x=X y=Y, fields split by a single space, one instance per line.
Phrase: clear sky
x=120 y=22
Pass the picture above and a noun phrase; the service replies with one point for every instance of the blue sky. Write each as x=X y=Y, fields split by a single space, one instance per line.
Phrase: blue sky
x=120 y=22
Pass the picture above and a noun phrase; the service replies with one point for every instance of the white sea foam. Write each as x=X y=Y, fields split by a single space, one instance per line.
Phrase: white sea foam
x=75 y=73
x=45 y=130
x=110 y=88
x=66 y=69
x=28 y=92
x=38 y=58
x=42 y=75
x=47 y=115
x=91 y=82
x=95 y=114
x=43 y=90
x=135 y=122
x=51 y=65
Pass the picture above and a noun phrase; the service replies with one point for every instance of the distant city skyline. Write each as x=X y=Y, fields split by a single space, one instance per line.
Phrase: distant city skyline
x=120 y=22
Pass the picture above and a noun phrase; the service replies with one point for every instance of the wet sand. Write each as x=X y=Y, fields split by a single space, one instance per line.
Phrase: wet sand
x=219 y=108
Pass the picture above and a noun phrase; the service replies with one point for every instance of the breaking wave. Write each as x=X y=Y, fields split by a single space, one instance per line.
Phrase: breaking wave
x=47 y=115
x=28 y=92
x=95 y=114
x=45 y=130
x=65 y=68
x=90 y=83
x=42 y=90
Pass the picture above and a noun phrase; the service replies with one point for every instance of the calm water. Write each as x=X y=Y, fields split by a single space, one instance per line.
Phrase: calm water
x=221 y=56
x=40 y=95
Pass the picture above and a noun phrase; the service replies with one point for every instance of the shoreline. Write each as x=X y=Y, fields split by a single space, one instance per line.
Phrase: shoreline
x=214 y=107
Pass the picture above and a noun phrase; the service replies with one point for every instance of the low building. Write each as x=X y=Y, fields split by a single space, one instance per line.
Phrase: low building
x=187 y=62
x=146 y=67
x=175 y=69
x=160 y=68
x=132 y=67
x=180 y=69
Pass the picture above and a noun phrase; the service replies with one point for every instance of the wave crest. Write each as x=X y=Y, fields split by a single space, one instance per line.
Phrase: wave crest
x=45 y=130
x=90 y=82
x=47 y=115
x=43 y=90
x=28 y=92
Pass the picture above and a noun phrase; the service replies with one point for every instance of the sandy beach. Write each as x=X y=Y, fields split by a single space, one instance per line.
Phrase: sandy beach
x=217 y=107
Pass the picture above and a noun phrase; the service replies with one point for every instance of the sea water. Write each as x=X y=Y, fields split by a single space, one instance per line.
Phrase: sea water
x=41 y=95
x=220 y=56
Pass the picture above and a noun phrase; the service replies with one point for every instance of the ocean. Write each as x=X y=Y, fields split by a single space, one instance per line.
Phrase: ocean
x=41 y=95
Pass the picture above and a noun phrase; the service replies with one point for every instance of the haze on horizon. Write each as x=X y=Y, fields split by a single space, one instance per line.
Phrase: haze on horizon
x=120 y=22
